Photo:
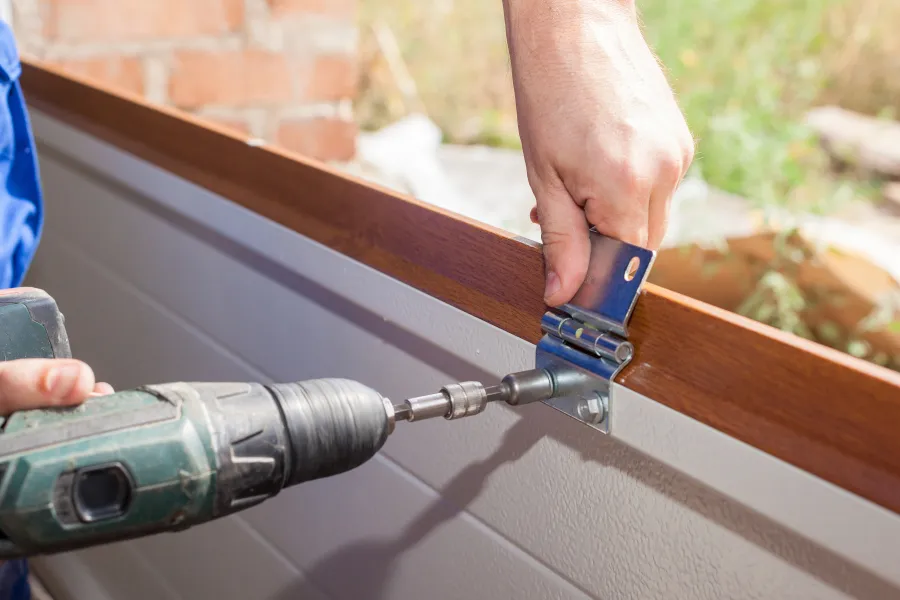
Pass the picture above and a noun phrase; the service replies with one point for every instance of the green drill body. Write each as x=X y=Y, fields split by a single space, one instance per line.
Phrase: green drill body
x=162 y=450
x=162 y=457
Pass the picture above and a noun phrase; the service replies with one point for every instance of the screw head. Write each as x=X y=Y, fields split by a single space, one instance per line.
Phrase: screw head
x=592 y=409
x=625 y=351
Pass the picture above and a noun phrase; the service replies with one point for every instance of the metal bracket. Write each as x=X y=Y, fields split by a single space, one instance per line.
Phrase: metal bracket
x=585 y=343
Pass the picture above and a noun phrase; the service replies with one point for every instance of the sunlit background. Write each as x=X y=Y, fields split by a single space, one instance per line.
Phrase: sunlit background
x=790 y=215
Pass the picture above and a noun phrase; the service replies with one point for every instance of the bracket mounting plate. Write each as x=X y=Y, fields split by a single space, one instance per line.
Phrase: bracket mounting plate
x=588 y=336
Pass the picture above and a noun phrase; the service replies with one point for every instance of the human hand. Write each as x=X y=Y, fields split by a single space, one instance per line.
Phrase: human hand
x=29 y=383
x=45 y=383
x=604 y=140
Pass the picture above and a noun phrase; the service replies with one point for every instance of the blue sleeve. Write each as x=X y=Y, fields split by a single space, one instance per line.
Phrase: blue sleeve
x=21 y=221
x=21 y=201
x=14 y=584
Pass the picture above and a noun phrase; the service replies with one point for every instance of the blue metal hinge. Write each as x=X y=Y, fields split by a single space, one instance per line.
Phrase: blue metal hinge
x=588 y=338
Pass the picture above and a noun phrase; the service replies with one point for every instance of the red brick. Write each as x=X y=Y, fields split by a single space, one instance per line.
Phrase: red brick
x=234 y=78
x=134 y=20
x=337 y=8
x=332 y=78
x=322 y=139
x=125 y=73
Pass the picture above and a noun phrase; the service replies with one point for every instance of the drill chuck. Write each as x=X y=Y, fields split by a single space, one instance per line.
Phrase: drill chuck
x=333 y=425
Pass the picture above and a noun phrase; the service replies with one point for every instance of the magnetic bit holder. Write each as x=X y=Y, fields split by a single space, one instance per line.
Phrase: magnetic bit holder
x=585 y=343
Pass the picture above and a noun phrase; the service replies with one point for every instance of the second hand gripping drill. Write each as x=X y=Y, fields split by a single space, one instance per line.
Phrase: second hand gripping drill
x=169 y=456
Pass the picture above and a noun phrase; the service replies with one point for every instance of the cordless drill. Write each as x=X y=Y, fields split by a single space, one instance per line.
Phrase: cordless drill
x=166 y=457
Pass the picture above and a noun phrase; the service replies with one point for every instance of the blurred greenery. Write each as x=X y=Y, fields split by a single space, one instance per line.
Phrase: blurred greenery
x=745 y=72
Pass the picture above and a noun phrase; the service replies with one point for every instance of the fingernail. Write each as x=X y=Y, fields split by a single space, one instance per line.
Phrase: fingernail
x=553 y=285
x=61 y=380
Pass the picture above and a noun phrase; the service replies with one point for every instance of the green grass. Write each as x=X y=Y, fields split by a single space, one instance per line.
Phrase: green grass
x=745 y=72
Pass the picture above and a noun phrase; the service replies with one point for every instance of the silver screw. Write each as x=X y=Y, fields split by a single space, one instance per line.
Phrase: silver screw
x=592 y=409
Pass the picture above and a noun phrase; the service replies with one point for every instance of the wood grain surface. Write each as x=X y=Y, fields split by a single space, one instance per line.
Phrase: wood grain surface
x=823 y=411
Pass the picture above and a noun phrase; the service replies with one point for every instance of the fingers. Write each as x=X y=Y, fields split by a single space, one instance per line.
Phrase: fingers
x=672 y=166
x=624 y=220
x=566 y=246
x=658 y=218
x=633 y=204
x=626 y=196
x=670 y=174
x=103 y=389
x=43 y=383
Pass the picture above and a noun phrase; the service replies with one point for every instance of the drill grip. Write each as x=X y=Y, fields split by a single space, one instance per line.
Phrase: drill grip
x=31 y=325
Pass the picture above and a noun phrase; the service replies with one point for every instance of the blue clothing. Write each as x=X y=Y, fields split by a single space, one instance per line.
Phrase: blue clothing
x=14 y=581
x=21 y=222
x=21 y=202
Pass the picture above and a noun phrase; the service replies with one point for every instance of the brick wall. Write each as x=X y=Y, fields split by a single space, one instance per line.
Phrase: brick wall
x=282 y=70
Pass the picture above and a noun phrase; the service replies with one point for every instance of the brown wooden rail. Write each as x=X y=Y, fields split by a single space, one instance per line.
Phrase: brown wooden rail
x=825 y=412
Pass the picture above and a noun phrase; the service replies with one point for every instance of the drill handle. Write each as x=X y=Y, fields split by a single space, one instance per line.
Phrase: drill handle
x=31 y=325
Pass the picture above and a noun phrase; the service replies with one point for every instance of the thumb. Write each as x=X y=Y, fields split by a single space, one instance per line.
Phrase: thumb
x=566 y=246
x=43 y=383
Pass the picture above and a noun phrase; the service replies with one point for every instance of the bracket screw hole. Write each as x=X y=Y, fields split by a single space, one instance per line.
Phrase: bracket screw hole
x=632 y=268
